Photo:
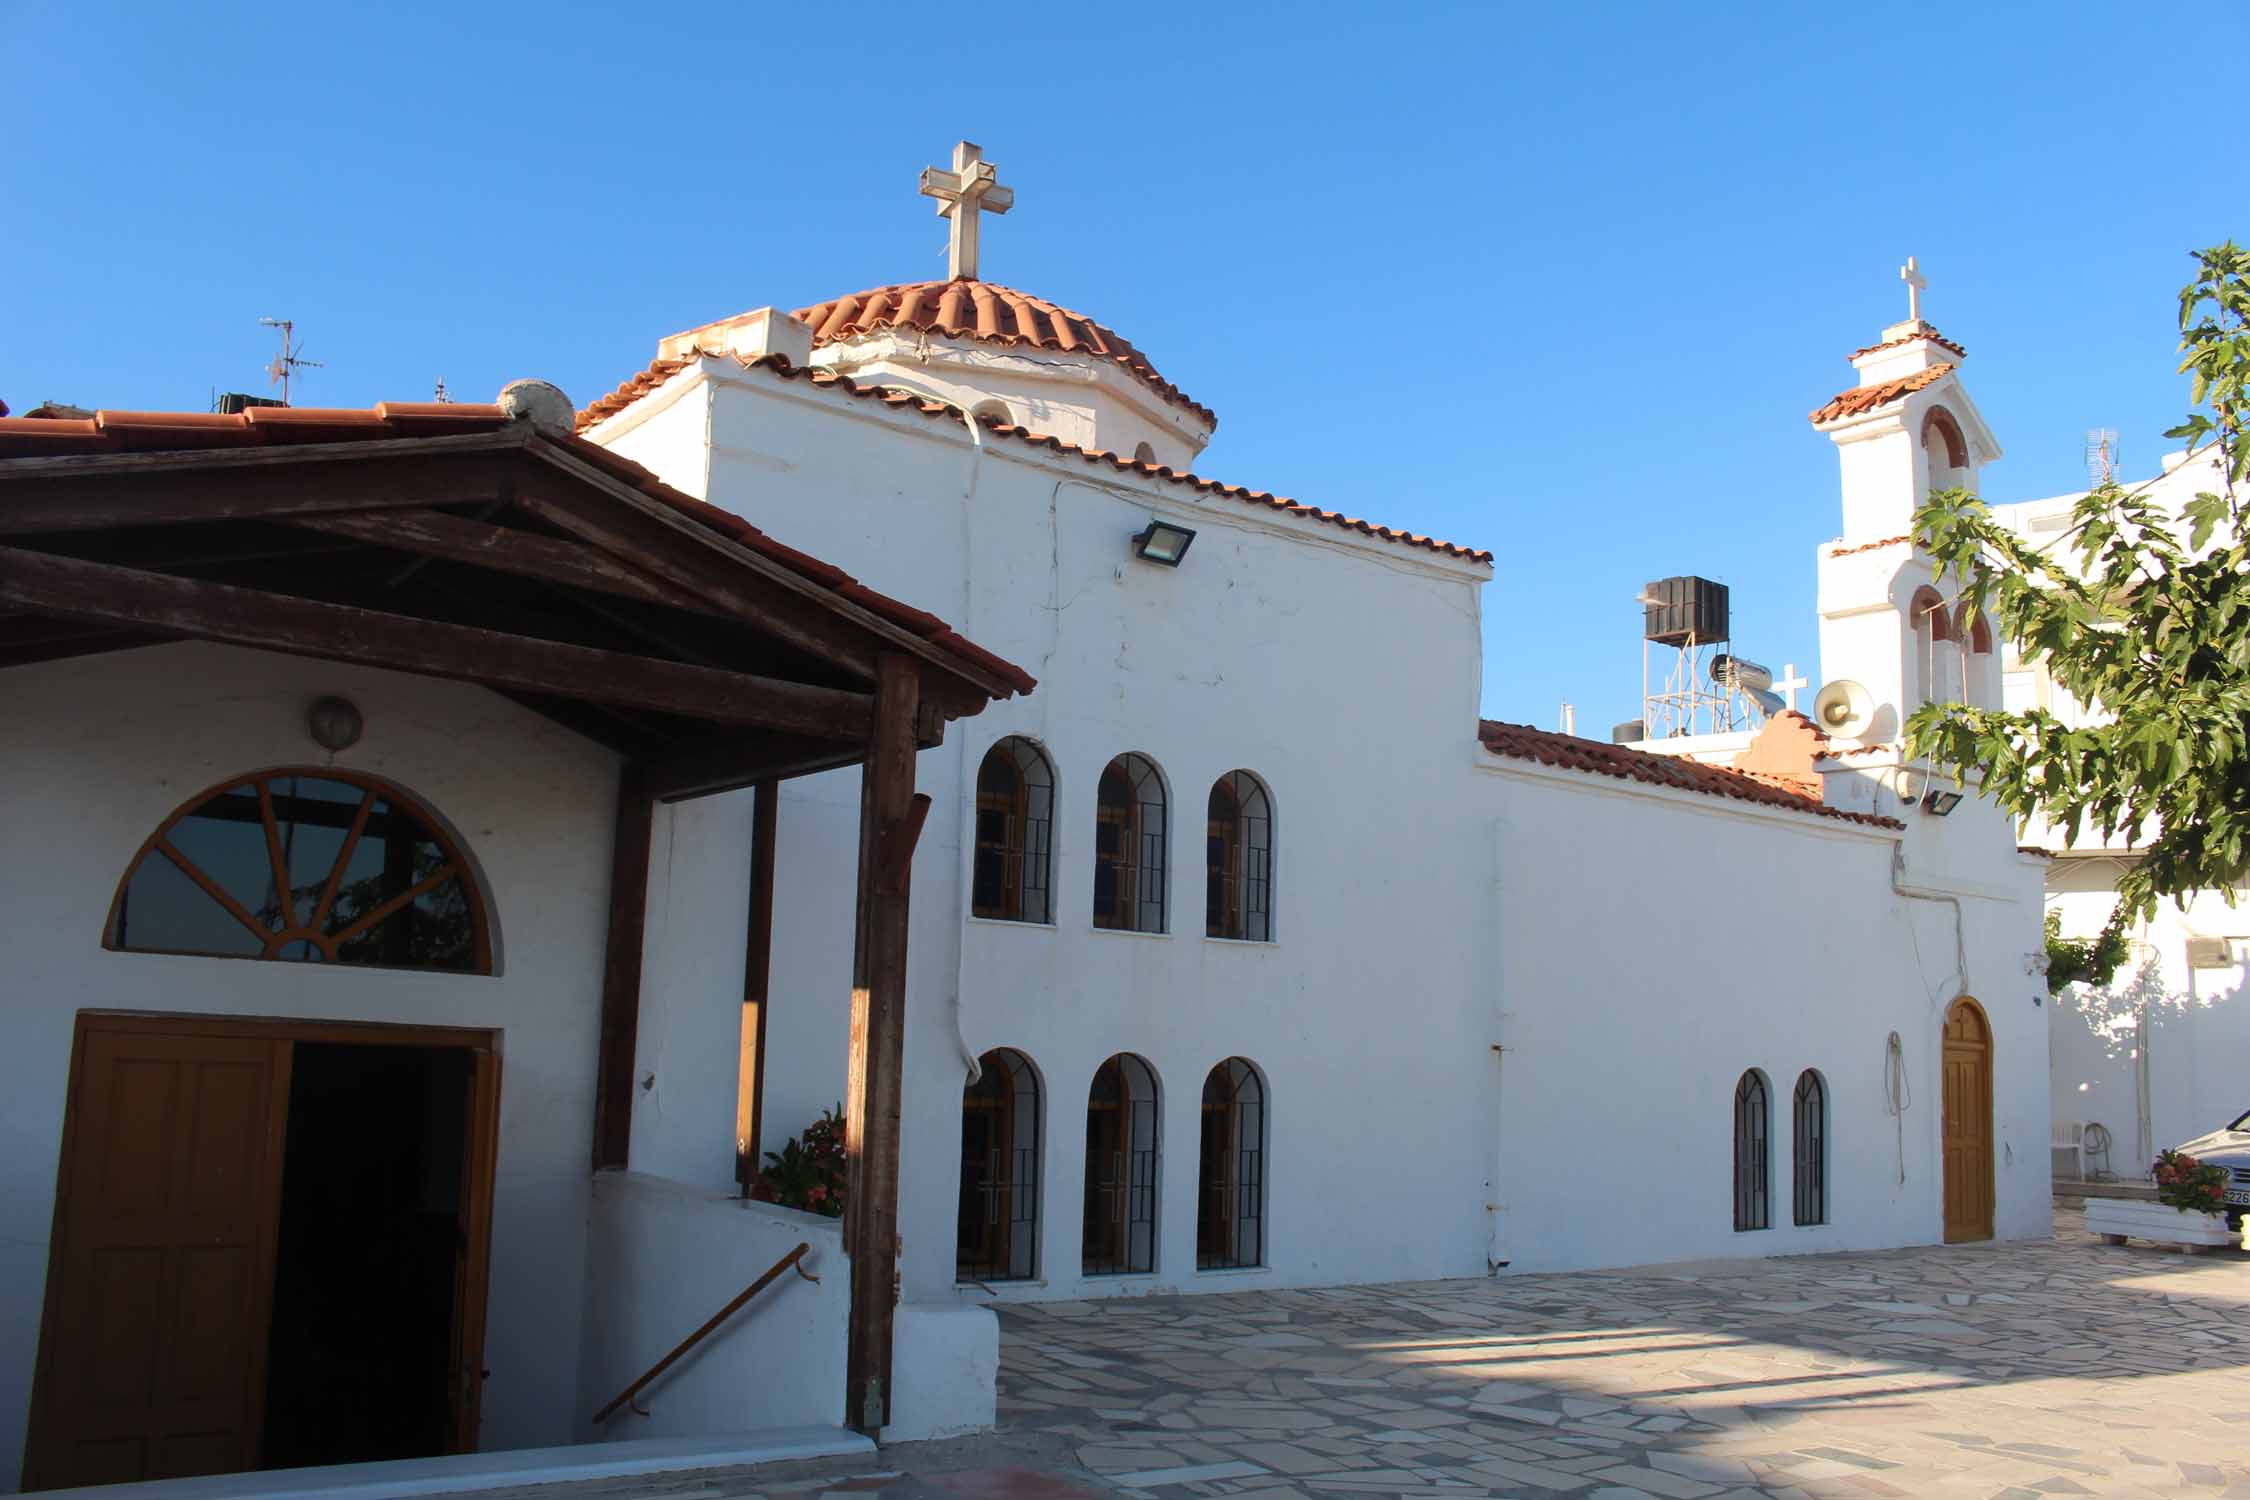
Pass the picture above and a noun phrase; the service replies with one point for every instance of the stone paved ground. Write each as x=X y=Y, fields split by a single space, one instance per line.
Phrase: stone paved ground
x=2008 y=1372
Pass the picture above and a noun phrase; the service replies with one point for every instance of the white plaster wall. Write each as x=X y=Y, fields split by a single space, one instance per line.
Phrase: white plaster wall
x=94 y=753
x=1650 y=949
x=2197 y=1037
x=1255 y=654
x=663 y=1257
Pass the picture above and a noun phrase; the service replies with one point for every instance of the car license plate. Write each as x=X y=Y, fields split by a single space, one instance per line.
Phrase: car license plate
x=2239 y=1196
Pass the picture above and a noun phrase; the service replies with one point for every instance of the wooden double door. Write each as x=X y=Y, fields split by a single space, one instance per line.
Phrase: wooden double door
x=269 y=1248
x=1967 y=1127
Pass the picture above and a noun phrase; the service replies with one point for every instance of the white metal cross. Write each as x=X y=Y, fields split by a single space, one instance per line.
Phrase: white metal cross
x=973 y=186
x=1787 y=685
x=1915 y=281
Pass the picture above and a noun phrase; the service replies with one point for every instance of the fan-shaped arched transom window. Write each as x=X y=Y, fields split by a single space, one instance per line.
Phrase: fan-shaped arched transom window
x=309 y=866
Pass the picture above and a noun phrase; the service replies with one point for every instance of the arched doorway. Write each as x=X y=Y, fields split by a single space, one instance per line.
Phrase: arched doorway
x=1967 y=1076
x=999 y=1225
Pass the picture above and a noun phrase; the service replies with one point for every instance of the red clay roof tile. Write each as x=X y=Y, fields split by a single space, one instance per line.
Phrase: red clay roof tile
x=661 y=370
x=1889 y=541
x=1868 y=397
x=1522 y=742
x=113 y=431
x=1931 y=334
x=990 y=314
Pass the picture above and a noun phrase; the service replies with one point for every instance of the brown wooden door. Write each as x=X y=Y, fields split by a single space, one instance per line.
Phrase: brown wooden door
x=1968 y=1123
x=160 y=1279
x=472 y=1265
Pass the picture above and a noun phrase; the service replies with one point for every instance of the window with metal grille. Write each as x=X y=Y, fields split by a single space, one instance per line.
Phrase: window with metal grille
x=1230 y=1197
x=1238 y=860
x=1129 y=846
x=1121 y=1146
x=1750 y=1130
x=1015 y=817
x=1000 y=1128
x=1811 y=1113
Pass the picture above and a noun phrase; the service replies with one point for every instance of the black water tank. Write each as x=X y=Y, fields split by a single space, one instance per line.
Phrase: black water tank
x=1629 y=731
x=1685 y=611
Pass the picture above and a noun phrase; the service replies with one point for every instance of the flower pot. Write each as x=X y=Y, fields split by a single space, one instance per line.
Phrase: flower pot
x=2116 y=1219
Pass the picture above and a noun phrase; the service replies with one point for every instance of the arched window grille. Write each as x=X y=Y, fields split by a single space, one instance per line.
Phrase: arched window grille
x=1811 y=1116
x=1000 y=1134
x=1751 y=1121
x=1129 y=846
x=1230 y=1177
x=305 y=866
x=1015 y=823
x=1238 y=860
x=1937 y=655
x=1121 y=1146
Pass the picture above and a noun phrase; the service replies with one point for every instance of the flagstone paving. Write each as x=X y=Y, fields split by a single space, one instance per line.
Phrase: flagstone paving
x=1997 y=1372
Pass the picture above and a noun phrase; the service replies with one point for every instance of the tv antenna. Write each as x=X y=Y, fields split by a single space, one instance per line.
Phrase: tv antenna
x=291 y=359
x=2101 y=455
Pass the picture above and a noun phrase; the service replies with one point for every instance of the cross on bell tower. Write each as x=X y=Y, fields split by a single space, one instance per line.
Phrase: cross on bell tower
x=1916 y=284
x=973 y=186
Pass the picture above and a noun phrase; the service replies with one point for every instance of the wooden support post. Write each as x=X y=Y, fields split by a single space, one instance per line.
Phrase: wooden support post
x=757 y=971
x=889 y=821
x=621 y=969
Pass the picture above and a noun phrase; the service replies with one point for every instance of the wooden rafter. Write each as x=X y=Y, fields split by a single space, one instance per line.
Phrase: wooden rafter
x=103 y=501
x=503 y=549
x=251 y=617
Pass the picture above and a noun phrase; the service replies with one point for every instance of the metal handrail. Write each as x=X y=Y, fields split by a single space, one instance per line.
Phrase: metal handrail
x=786 y=1263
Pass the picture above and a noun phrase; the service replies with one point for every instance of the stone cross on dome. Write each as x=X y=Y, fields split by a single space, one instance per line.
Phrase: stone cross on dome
x=973 y=186
x=1909 y=273
x=1787 y=684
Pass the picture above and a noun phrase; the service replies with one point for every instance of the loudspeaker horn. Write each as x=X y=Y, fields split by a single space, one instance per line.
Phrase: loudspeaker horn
x=1843 y=709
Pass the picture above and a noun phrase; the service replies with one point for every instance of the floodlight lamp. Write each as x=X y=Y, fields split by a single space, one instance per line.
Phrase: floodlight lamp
x=1162 y=542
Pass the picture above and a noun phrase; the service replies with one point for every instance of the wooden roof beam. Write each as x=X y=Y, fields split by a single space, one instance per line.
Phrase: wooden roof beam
x=157 y=602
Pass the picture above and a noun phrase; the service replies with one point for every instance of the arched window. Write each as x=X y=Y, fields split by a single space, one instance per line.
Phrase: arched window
x=307 y=866
x=1751 y=1120
x=1129 y=834
x=1000 y=1131
x=1945 y=452
x=1121 y=1168
x=1238 y=860
x=1937 y=660
x=1230 y=1176
x=1811 y=1115
x=1143 y=454
x=991 y=409
x=1015 y=818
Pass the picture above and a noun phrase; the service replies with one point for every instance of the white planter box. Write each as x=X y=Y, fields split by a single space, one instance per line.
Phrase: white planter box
x=2116 y=1218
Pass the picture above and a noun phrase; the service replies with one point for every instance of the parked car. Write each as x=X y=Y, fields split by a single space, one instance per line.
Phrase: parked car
x=2228 y=1148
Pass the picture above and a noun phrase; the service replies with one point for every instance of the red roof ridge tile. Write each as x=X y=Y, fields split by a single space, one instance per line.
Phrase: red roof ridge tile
x=1931 y=334
x=1889 y=541
x=1768 y=789
x=107 y=431
x=989 y=313
x=1867 y=398
x=928 y=406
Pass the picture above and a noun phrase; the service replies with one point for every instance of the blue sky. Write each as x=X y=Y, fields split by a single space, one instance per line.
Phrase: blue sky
x=1558 y=281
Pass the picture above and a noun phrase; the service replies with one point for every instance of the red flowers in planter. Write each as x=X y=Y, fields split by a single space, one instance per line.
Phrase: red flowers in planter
x=2189 y=1185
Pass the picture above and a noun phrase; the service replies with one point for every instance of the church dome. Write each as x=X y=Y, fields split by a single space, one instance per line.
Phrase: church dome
x=982 y=312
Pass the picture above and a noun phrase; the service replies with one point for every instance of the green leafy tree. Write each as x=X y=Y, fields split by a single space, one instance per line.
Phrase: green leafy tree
x=2142 y=616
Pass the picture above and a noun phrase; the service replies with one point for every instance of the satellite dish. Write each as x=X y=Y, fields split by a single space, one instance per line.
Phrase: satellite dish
x=1844 y=709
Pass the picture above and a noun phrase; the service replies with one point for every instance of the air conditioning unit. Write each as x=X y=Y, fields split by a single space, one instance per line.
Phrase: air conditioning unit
x=2211 y=953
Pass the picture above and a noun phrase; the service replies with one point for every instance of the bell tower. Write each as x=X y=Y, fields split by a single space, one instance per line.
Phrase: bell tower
x=1907 y=428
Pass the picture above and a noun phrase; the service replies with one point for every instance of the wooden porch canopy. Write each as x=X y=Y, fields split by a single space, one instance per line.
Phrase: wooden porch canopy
x=451 y=541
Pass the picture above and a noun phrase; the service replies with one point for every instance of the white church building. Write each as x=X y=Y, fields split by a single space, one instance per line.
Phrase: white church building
x=1241 y=953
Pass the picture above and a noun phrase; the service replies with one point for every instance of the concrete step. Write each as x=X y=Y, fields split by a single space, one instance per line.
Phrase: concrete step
x=465 y=1473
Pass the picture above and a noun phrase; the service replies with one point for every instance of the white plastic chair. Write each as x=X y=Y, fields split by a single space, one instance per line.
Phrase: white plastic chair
x=2070 y=1137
